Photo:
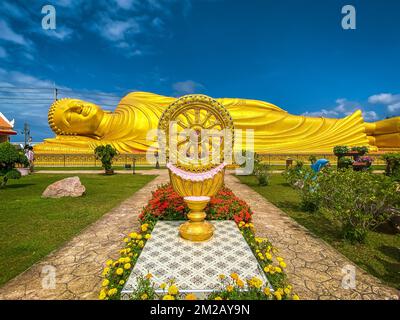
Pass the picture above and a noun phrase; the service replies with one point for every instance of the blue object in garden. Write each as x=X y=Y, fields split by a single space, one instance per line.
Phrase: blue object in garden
x=319 y=164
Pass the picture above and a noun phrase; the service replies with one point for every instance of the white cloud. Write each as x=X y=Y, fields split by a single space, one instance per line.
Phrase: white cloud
x=127 y=4
x=391 y=101
x=187 y=87
x=6 y=33
x=3 y=52
x=115 y=30
x=342 y=109
x=383 y=98
x=61 y=33
x=394 y=108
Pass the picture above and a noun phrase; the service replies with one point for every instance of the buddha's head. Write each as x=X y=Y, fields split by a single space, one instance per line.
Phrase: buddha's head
x=75 y=117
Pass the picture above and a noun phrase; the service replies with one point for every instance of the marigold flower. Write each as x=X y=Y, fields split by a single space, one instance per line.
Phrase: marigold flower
x=144 y=296
x=105 y=282
x=119 y=271
x=277 y=269
x=102 y=295
x=240 y=283
x=126 y=240
x=163 y=285
x=147 y=236
x=277 y=295
x=295 y=297
x=286 y=290
x=268 y=256
x=218 y=298
x=279 y=259
x=229 y=288
x=267 y=291
x=149 y=276
x=112 y=292
x=144 y=228
x=109 y=262
x=133 y=235
x=106 y=271
x=127 y=266
x=173 y=290
x=222 y=276
x=190 y=296
x=168 y=297
x=121 y=282
x=234 y=276
x=282 y=264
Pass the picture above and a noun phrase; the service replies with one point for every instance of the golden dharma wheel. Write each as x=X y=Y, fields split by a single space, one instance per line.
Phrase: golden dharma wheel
x=192 y=116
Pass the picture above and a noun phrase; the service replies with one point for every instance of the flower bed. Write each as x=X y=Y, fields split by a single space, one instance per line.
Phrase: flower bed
x=166 y=204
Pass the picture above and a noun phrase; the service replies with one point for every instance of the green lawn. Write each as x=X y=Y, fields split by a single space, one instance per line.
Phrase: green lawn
x=31 y=227
x=380 y=255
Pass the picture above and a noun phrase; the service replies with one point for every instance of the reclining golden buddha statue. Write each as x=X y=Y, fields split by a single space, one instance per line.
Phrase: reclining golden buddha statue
x=80 y=126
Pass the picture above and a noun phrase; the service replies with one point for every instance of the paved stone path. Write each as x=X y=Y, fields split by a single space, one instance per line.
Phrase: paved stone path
x=313 y=266
x=79 y=263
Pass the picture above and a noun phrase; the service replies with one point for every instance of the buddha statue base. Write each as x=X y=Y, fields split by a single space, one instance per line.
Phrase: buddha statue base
x=196 y=229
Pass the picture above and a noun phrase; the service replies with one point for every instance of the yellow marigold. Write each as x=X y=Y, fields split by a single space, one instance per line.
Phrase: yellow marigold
x=234 y=276
x=282 y=264
x=126 y=240
x=258 y=240
x=222 y=276
x=105 y=282
x=128 y=250
x=267 y=291
x=168 y=297
x=121 y=260
x=133 y=235
x=109 y=262
x=127 y=266
x=163 y=285
x=279 y=259
x=277 y=269
x=295 y=297
x=130 y=254
x=149 y=276
x=218 y=298
x=268 y=256
x=119 y=271
x=229 y=288
x=246 y=225
x=255 y=282
x=121 y=282
x=286 y=290
x=277 y=295
x=106 y=271
x=112 y=292
x=173 y=290
x=240 y=283
x=252 y=226
x=115 y=263
x=190 y=296
x=102 y=295
x=127 y=259
x=147 y=236
x=144 y=296
x=141 y=244
x=139 y=237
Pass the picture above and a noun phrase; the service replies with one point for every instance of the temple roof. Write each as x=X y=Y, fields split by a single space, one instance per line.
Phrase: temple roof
x=6 y=126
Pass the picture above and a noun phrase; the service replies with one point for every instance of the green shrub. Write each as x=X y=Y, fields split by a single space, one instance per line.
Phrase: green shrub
x=261 y=171
x=105 y=154
x=340 y=150
x=344 y=163
x=359 y=201
x=392 y=165
x=361 y=150
x=312 y=159
x=9 y=157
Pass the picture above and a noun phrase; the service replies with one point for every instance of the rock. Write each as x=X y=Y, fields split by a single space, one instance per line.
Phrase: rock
x=68 y=187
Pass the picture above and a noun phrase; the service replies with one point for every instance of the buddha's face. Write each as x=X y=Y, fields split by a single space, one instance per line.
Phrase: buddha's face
x=73 y=116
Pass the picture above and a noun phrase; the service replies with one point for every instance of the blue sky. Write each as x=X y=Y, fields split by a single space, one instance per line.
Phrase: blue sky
x=292 y=53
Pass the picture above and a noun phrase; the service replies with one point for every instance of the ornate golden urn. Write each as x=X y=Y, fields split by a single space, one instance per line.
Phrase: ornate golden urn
x=195 y=156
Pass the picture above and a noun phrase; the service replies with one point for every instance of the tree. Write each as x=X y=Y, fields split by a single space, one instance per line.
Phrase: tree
x=106 y=154
x=9 y=157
